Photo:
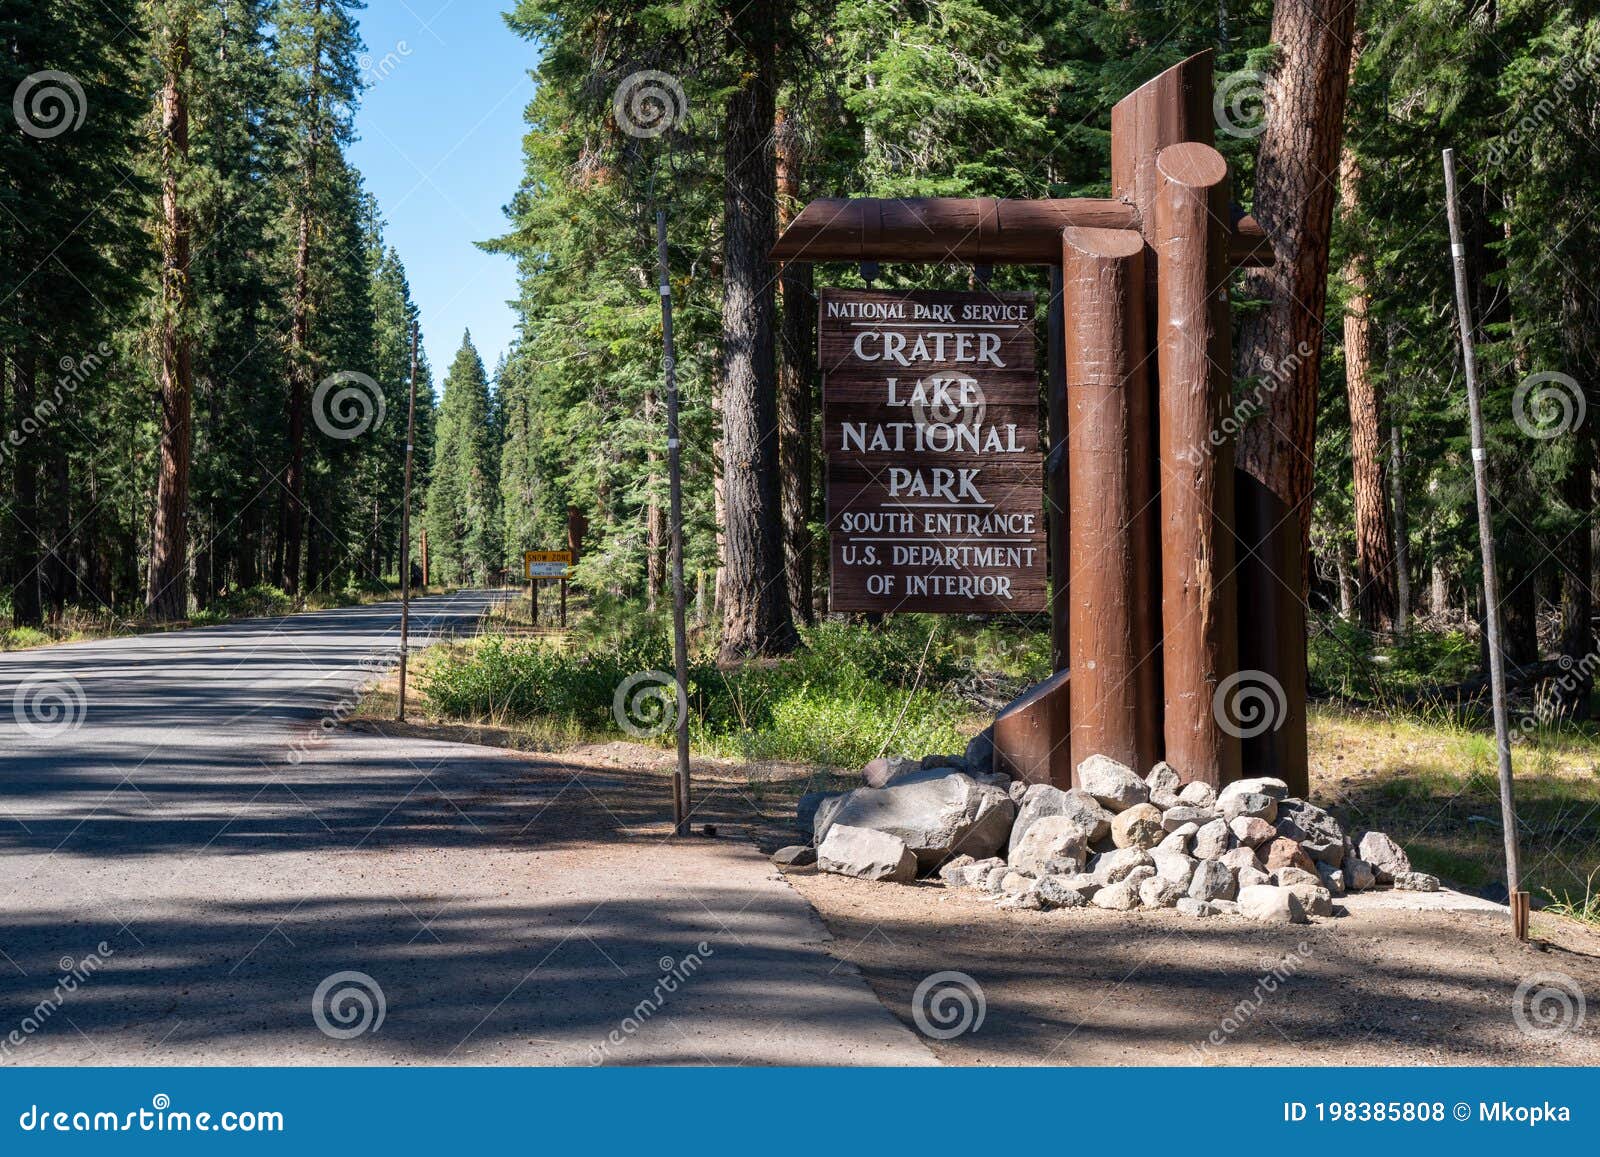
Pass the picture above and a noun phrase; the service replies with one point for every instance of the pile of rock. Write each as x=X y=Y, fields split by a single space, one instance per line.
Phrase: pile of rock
x=1116 y=841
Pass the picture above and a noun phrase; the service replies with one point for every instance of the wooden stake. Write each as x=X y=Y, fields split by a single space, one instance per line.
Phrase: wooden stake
x=1198 y=613
x=405 y=532
x=1491 y=584
x=1110 y=521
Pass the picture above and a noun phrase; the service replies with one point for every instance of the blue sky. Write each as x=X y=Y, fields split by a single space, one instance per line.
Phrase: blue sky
x=440 y=146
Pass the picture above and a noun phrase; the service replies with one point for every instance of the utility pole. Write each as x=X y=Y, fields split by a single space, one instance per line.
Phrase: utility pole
x=1491 y=587
x=680 y=642
x=405 y=531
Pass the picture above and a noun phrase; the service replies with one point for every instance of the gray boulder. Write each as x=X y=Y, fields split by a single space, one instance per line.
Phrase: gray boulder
x=1271 y=905
x=1250 y=831
x=1250 y=803
x=1213 y=881
x=1016 y=789
x=1054 y=890
x=823 y=818
x=1019 y=902
x=1198 y=794
x=1316 y=900
x=1179 y=838
x=1239 y=858
x=1226 y=907
x=1317 y=832
x=805 y=812
x=1211 y=841
x=1159 y=892
x=1014 y=882
x=1041 y=799
x=1111 y=867
x=1163 y=785
x=1415 y=882
x=1287 y=877
x=1113 y=785
x=954 y=871
x=1050 y=839
x=867 y=855
x=1358 y=874
x=1248 y=877
x=1333 y=879
x=881 y=772
x=1138 y=827
x=1387 y=858
x=795 y=856
x=935 y=813
x=1175 y=817
x=980 y=751
x=1189 y=906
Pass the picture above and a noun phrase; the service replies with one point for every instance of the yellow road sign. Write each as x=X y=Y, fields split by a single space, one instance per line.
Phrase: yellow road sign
x=550 y=564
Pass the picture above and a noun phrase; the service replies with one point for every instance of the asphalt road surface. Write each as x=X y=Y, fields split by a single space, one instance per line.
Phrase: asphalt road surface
x=198 y=866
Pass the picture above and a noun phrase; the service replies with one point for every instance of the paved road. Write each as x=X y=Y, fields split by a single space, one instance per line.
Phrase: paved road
x=188 y=857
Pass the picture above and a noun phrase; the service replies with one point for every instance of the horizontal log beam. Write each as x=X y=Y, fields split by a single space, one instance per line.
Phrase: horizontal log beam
x=968 y=230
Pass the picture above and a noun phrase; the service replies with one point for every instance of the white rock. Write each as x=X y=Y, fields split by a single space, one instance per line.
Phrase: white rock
x=1164 y=785
x=1387 y=858
x=1159 y=892
x=1288 y=876
x=936 y=813
x=976 y=874
x=1178 y=840
x=1249 y=877
x=1315 y=899
x=1251 y=831
x=1019 y=902
x=1212 y=881
x=1050 y=838
x=1113 y=785
x=1175 y=817
x=1189 y=906
x=1226 y=907
x=954 y=871
x=1174 y=865
x=1198 y=794
x=1416 y=882
x=1333 y=879
x=1015 y=882
x=1238 y=858
x=1118 y=897
x=1271 y=905
x=1211 y=840
x=867 y=855
x=994 y=878
x=1266 y=785
x=1067 y=891
x=1255 y=804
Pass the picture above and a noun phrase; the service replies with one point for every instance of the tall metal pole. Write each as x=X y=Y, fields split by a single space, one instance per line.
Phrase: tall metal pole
x=680 y=641
x=405 y=531
x=1491 y=586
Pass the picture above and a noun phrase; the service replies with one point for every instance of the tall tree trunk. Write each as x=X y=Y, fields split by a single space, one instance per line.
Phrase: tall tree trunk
x=300 y=335
x=167 y=595
x=1375 y=569
x=655 y=570
x=1577 y=492
x=1295 y=170
x=1402 y=531
x=796 y=372
x=756 y=619
x=26 y=610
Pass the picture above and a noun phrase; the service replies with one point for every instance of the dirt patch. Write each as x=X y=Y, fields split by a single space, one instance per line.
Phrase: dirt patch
x=1382 y=986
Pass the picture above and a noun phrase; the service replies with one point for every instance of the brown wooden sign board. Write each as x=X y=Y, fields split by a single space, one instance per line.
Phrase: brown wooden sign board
x=930 y=418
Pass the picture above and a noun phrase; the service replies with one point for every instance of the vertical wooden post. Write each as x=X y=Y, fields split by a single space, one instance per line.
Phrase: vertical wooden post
x=405 y=533
x=424 y=545
x=681 y=807
x=1114 y=708
x=1057 y=495
x=1199 y=614
x=563 y=604
x=533 y=600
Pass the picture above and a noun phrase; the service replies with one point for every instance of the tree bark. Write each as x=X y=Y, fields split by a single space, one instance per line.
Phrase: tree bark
x=1577 y=549
x=655 y=522
x=1402 y=532
x=796 y=374
x=756 y=618
x=167 y=596
x=1295 y=170
x=26 y=610
x=1375 y=567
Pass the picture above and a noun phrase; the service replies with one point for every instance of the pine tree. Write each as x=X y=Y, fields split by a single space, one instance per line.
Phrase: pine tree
x=463 y=514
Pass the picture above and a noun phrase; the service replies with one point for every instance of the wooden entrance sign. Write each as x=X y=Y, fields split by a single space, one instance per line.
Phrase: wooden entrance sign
x=1141 y=478
x=930 y=422
x=546 y=566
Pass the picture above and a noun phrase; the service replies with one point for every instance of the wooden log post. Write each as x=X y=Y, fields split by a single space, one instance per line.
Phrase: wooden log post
x=1199 y=614
x=1111 y=515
